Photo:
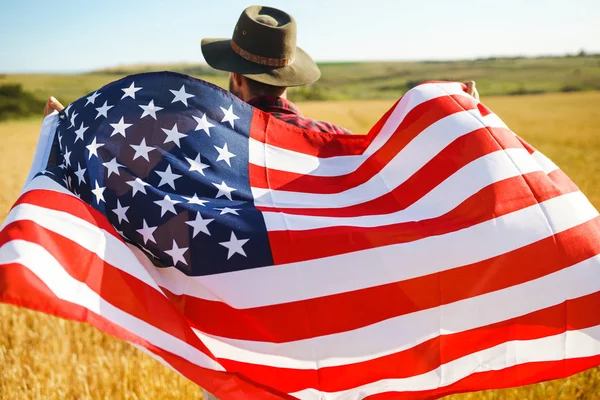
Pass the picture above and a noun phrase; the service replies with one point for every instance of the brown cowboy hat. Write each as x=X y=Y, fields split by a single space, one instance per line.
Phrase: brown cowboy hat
x=263 y=48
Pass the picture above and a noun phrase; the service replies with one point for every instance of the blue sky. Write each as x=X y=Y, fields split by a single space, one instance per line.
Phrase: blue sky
x=77 y=35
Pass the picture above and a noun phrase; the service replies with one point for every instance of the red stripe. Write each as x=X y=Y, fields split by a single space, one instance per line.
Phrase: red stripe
x=413 y=124
x=113 y=285
x=267 y=129
x=67 y=203
x=312 y=317
x=454 y=157
x=572 y=315
x=280 y=134
x=519 y=375
x=493 y=201
x=21 y=287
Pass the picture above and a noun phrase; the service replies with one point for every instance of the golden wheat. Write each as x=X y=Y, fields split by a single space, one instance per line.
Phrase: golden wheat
x=44 y=357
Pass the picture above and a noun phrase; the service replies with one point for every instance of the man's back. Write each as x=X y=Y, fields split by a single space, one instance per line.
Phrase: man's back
x=287 y=111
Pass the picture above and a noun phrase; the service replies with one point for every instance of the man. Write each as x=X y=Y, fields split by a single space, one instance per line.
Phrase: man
x=263 y=61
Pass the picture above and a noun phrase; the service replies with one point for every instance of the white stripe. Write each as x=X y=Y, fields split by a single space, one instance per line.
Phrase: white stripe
x=567 y=345
x=545 y=163
x=44 y=145
x=404 y=332
x=409 y=160
x=287 y=160
x=449 y=194
x=377 y=266
x=87 y=235
x=35 y=258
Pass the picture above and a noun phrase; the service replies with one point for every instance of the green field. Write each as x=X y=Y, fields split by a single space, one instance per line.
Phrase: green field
x=44 y=357
x=381 y=80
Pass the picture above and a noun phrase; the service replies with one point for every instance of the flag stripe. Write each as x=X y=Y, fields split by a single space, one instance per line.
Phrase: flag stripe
x=444 y=164
x=518 y=375
x=480 y=207
x=288 y=322
x=408 y=161
x=108 y=282
x=403 y=332
x=421 y=118
x=571 y=344
x=327 y=146
x=39 y=261
x=354 y=271
x=423 y=357
x=414 y=188
x=26 y=289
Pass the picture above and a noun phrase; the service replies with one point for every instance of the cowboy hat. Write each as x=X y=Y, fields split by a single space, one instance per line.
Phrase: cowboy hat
x=263 y=48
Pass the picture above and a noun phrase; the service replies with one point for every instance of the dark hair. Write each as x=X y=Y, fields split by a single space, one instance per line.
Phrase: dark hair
x=262 y=89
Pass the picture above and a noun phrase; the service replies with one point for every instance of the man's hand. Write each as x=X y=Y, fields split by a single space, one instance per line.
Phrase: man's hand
x=51 y=105
x=472 y=90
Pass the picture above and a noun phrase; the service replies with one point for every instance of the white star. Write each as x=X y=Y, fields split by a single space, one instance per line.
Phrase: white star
x=141 y=150
x=99 y=193
x=181 y=95
x=203 y=124
x=121 y=212
x=138 y=185
x=130 y=91
x=79 y=132
x=173 y=135
x=234 y=245
x=167 y=177
x=119 y=127
x=113 y=167
x=103 y=110
x=67 y=157
x=176 y=253
x=199 y=225
x=93 y=148
x=224 y=154
x=150 y=109
x=91 y=99
x=224 y=190
x=73 y=116
x=197 y=165
x=229 y=116
x=147 y=232
x=167 y=204
x=227 y=210
x=68 y=109
x=80 y=171
x=195 y=200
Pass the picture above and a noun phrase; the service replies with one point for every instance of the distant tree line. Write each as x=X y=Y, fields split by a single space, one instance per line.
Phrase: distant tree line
x=15 y=102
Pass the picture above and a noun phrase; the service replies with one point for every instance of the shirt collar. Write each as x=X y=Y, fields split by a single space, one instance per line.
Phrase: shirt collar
x=274 y=104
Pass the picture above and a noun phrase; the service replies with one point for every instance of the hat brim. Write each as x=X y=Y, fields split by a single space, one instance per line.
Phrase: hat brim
x=302 y=71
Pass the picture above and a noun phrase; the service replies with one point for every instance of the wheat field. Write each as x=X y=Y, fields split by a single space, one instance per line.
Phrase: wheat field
x=44 y=357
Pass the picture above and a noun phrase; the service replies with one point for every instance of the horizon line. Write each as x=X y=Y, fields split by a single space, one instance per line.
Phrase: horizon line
x=374 y=61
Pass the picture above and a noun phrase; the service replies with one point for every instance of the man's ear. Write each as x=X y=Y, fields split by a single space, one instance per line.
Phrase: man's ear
x=237 y=78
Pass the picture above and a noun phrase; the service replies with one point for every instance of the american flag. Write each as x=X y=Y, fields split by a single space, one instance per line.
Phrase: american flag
x=440 y=253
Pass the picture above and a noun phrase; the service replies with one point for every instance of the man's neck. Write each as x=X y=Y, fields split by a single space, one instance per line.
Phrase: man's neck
x=252 y=96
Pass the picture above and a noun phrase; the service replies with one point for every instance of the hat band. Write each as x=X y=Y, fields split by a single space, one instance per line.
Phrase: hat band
x=271 y=62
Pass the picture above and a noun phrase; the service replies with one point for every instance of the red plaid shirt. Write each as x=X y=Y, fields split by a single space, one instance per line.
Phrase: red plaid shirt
x=287 y=111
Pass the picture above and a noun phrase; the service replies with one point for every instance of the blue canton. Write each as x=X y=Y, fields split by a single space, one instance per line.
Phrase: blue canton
x=165 y=158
